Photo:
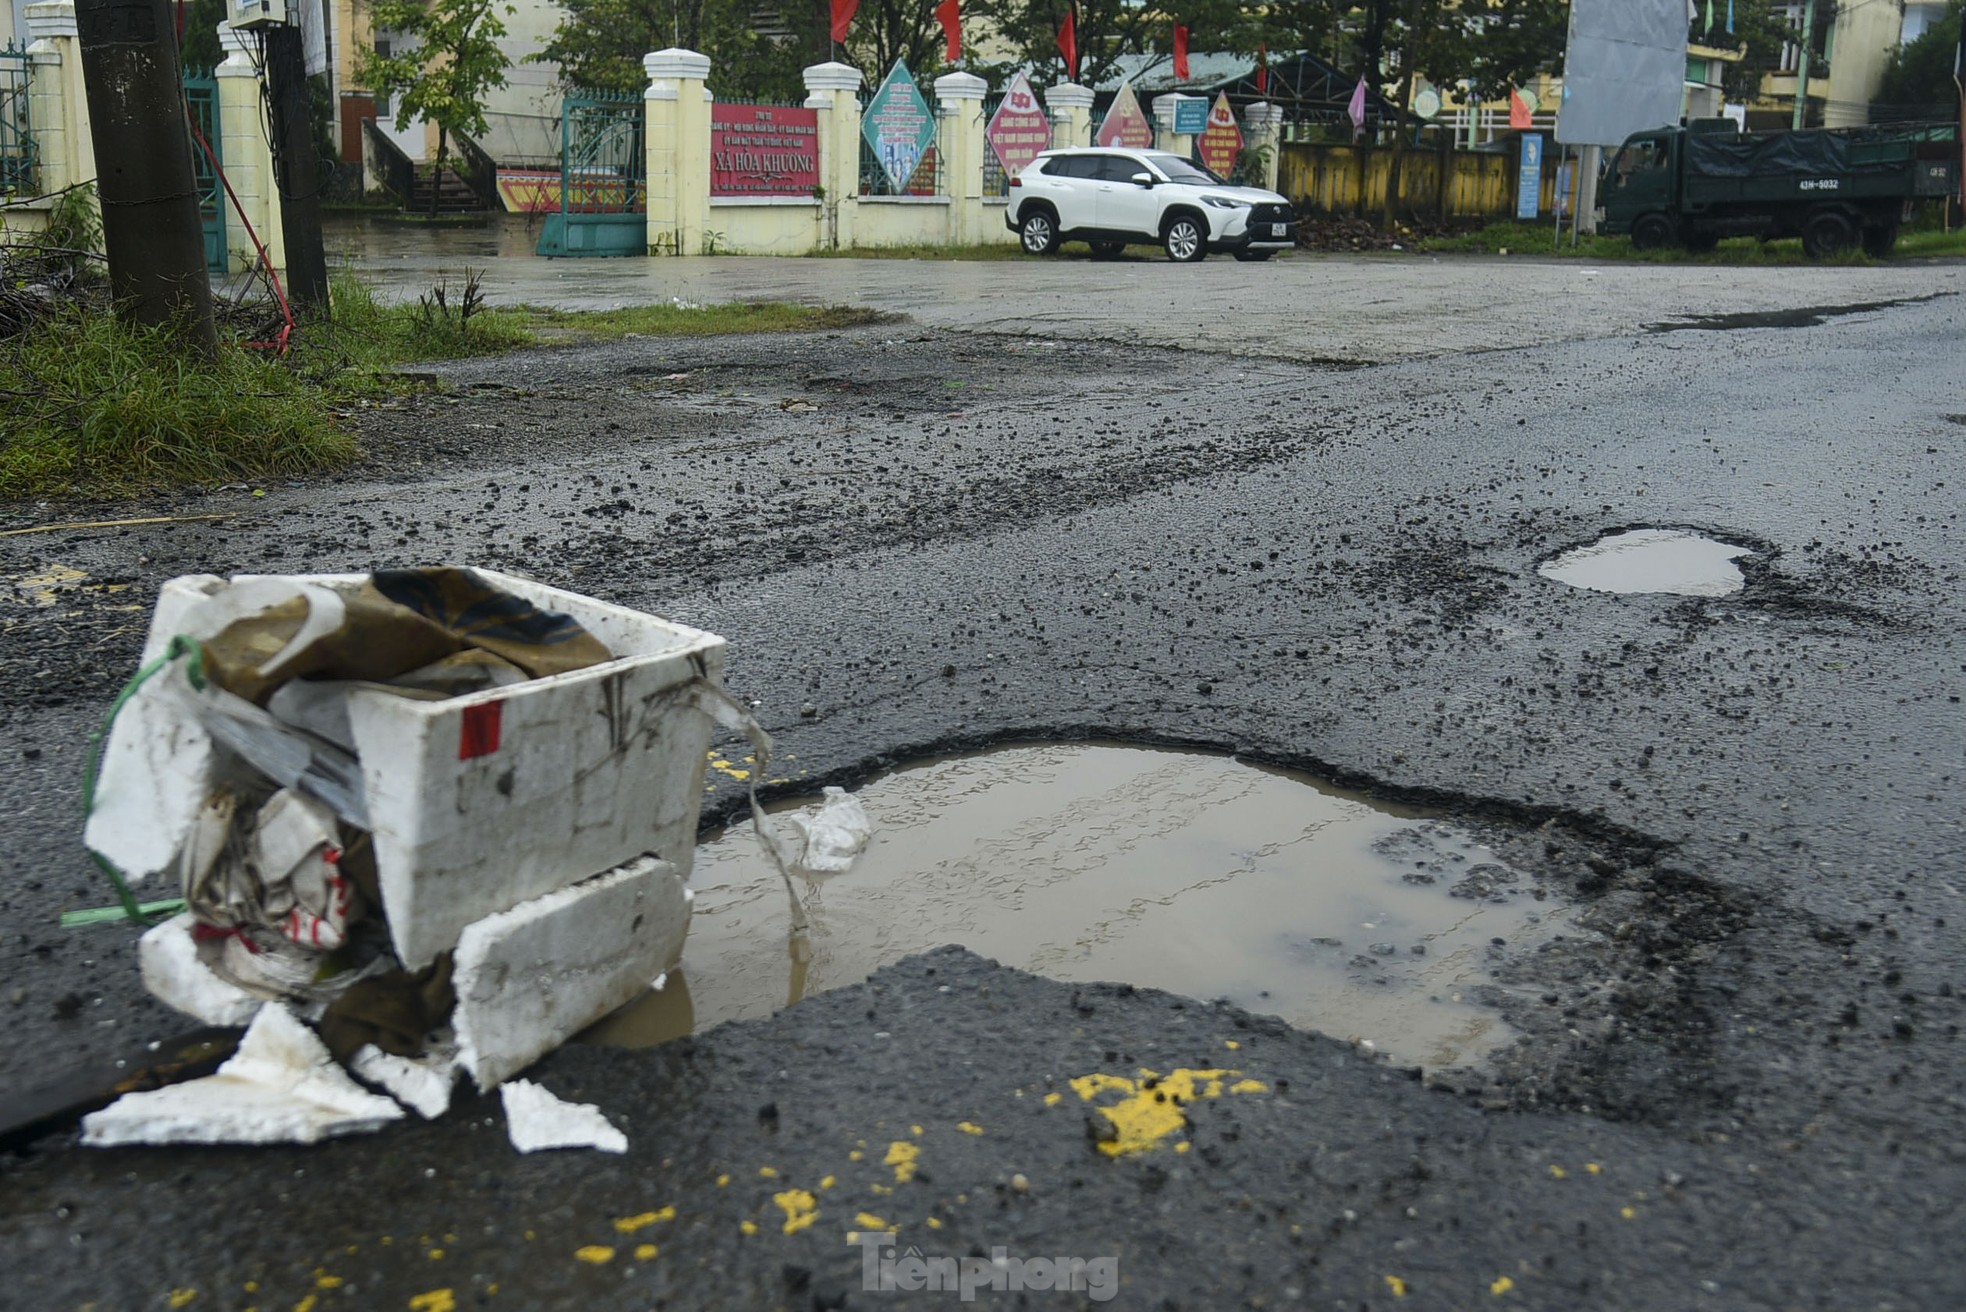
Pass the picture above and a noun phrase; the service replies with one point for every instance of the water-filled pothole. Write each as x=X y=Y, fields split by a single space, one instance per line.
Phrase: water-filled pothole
x=1192 y=873
x=1677 y=561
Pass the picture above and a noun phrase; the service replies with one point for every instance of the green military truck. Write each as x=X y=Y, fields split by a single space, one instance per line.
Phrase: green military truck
x=1832 y=187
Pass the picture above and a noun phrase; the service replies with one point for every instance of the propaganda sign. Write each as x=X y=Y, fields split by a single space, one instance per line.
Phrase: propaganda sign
x=1221 y=140
x=899 y=126
x=1020 y=128
x=1124 y=124
x=763 y=150
x=1529 y=177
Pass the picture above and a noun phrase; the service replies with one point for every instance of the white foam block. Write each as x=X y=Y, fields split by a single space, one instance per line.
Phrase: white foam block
x=178 y=977
x=531 y=978
x=423 y=1084
x=536 y=1119
x=280 y=1087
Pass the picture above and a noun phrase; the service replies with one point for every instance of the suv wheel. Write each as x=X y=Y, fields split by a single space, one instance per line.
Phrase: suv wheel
x=1186 y=239
x=1038 y=232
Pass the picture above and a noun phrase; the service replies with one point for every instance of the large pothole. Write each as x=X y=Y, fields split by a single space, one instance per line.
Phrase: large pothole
x=1193 y=873
x=1676 y=561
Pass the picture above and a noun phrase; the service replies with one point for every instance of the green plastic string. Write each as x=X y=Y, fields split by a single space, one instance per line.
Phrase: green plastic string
x=141 y=913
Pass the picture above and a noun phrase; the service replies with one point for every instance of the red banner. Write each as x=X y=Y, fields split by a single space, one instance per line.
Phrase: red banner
x=843 y=12
x=1068 y=43
x=1181 y=52
x=950 y=14
x=763 y=150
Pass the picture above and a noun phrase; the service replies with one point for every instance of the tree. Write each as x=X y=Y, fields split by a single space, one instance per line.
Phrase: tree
x=887 y=30
x=1109 y=30
x=600 y=43
x=450 y=61
x=1499 y=44
x=1920 y=72
x=1761 y=29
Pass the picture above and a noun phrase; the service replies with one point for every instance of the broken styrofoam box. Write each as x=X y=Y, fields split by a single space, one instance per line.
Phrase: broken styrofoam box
x=529 y=979
x=423 y=1084
x=176 y=974
x=536 y=1119
x=281 y=1086
x=477 y=802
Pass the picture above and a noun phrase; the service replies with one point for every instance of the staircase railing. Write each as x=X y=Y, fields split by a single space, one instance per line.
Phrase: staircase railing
x=478 y=168
x=396 y=169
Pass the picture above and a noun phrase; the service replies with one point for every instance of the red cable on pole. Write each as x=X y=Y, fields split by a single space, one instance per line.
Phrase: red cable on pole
x=266 y=262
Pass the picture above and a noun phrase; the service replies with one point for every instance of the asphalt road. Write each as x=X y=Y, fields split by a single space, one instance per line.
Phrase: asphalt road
x=1739 y=1090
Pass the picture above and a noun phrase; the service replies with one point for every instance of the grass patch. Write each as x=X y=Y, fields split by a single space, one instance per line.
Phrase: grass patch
x=673 y=320
x=98 y=407
x=1539 y=239
x=1931 y=242
x=94 y=407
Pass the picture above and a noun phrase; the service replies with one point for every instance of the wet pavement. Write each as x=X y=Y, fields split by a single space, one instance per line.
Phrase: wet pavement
x=1301 y=306
x=1736 y=1077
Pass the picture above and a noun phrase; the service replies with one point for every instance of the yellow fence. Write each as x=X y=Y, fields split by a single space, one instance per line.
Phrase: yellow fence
x=1337 y=179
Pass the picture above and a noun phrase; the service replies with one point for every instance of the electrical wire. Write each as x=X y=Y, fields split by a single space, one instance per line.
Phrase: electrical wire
x=285 y=338
x=280 y=343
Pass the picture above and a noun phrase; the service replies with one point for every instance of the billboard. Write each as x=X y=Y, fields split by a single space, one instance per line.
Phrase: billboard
x=763 y=150
x=1624 y=70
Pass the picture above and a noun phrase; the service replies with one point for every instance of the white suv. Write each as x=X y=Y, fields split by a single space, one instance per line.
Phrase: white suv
x=1110 y=197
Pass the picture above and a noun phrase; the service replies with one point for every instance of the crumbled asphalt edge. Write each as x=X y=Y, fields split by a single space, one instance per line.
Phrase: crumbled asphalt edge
x=1340 y=1172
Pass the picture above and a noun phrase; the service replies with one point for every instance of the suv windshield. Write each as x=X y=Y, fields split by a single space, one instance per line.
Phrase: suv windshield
x=1181 y=170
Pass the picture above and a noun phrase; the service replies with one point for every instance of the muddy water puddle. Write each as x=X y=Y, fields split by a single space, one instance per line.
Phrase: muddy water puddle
x=1197 y=874
x=1676 y=561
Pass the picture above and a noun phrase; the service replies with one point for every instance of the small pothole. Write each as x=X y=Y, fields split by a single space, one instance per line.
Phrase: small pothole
x=1197 y=874
x=1676 y=561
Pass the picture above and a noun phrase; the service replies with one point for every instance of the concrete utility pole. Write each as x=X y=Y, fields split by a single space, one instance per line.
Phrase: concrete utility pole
x=298 y=169
x=151 y=229
x=1802 y=64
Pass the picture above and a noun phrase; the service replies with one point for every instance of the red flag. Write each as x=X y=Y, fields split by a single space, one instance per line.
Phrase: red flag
x=843 y=12
x=1519 y=118
x=1263 y=69
x=950 y=14
x=1181 y=52
x=1068 y=43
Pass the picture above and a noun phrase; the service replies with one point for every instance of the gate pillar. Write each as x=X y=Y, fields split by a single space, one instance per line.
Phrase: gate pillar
x=678 y=108
x=833 y=90
x=242 y=147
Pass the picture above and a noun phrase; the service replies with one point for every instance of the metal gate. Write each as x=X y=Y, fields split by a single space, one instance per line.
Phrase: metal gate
x=603 y=177
x=18 y=174
x=201 y=96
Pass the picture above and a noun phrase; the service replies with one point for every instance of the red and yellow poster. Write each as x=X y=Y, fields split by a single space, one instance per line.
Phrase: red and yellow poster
x=1221 y=140
x=1124 y=124
x=1019 y=129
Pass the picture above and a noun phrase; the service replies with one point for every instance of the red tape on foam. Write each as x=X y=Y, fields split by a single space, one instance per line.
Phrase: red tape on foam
x=480 y=730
